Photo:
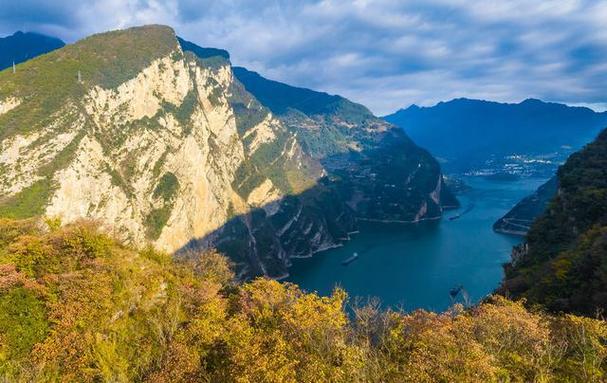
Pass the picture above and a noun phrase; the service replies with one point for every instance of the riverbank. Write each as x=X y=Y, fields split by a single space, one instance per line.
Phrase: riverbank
x=414 y=265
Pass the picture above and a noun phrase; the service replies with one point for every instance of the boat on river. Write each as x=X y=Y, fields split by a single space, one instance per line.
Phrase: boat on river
x=349 y=260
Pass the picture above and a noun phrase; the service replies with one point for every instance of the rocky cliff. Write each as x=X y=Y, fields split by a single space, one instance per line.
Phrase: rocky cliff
x=170 y=149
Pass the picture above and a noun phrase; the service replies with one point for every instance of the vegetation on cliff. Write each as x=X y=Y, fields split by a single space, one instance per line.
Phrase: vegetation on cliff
x=158 y=137
x=520 y=218
x=564 y=266
x=76 y=305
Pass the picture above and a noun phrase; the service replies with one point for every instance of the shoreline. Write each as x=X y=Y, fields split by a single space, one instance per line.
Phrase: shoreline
x=398 y=221
x=341 y=244
x=511 y=232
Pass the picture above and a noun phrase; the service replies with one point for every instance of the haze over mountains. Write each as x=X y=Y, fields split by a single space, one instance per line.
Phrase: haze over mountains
x=484 y=137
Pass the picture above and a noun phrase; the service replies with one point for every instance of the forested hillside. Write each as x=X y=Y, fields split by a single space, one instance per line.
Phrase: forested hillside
x=564 y=263
x=78 y=306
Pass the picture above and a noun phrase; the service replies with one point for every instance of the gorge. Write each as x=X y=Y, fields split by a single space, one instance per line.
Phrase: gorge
x=166 y=216
x=170 y=148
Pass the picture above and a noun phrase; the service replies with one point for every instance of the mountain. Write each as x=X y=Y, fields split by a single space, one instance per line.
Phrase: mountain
x=21 y=47
x=78 y=306
x=563 y=263
x=378 y=169
x=481 y=137
x=519 y=219
x=203 y=53
x=170 y=149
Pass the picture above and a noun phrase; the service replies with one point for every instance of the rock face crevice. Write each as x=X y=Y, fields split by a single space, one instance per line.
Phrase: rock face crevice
x=181 y=155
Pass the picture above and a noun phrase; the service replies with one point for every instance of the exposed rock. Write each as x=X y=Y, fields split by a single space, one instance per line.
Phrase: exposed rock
x=178 y=154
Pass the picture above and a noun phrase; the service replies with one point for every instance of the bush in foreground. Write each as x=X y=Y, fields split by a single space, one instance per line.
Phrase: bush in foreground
x=75 y=305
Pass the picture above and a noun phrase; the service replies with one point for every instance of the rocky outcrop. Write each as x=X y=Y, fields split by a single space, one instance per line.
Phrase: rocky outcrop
x=9 y=104
x=170 y=149
x=178 y=155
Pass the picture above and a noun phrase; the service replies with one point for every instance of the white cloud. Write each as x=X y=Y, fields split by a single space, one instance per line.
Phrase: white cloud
x=385 y=54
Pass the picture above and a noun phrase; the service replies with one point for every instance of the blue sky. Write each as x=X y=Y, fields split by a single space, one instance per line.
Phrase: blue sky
x=385 y=54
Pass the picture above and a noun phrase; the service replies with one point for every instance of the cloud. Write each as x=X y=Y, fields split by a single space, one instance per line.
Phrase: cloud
x=385 y=54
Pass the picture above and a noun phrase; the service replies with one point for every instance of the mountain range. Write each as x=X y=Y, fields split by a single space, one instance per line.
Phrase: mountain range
x=128 y=157
x=482 y=137
x=21 y=47
x=163 y=140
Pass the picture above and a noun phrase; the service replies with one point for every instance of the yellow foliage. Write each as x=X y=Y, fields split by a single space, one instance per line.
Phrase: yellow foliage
x=107 y=312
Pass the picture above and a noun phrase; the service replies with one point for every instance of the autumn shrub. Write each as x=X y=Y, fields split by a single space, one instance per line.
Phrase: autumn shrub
x=78 y=306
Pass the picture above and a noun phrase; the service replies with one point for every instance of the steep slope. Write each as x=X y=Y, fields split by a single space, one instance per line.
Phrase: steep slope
x=20 y=47
x=563 y=264
x=471 y=135
x=378 y=170
x=519 y=219
x=165 y=146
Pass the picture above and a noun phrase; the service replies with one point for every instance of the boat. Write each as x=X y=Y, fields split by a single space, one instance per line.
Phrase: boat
x=347 y=261
x=456 y=216
x=455 y=291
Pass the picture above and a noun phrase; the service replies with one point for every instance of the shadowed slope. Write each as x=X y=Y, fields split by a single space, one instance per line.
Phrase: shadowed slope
x=21 y=47
x=563 y=263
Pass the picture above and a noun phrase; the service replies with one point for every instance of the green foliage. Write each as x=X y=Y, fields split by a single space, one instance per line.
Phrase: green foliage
x=156 y=220
x=565 y=266
x=29 y=202
x=167 y=187
x=184 y=112
x=91 y=309
x=23 y=323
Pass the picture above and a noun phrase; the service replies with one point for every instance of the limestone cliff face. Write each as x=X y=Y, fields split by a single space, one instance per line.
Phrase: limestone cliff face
x=171 y=149
x=169 y=157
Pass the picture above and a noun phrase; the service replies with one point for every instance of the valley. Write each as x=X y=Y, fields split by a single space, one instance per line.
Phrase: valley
x=169 y=216
x=414 y=266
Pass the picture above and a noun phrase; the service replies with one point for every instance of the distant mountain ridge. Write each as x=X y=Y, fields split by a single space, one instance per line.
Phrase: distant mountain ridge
x=22 y=46
x=469 y=133
x=363 y=153
x=280 y=97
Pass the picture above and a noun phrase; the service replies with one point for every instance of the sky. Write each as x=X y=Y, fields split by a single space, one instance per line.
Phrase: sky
x=385 y=54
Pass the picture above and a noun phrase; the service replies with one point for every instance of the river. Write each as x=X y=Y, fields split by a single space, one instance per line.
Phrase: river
x=412 y=266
